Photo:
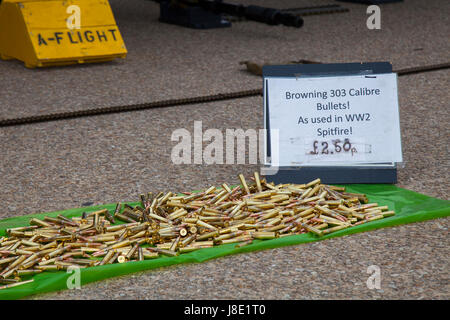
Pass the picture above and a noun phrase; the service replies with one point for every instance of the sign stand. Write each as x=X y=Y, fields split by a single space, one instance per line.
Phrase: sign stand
x=384 y=172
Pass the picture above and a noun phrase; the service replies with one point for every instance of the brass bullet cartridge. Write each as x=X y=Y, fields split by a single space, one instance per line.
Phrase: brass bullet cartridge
x=208 y=235
x=26 y=228
x=333 y=203
x=217 y=196
x=7 y=260
x=138 y=228
x=16 y=284
x=16 y=263
x=8 y=281
x=131 y=214
x=244 y=183
x=210 y=190
x=118 y=227
x=228 y=235
x=205 y=225
x=53 y=220
x=100 y=212
x=177 y=198
x=154 y=216
x=257 y=181
x=382 y=208
x=9 y=242
x=167 y=252
x=223 y=198
x=311 y=199
x=329 y=220
x=132 y=252
x=202 y=244
x=188 y=249
x=143 y=200
x=8 y=272
x=312 y=183
x=372 y=218
x=40 y=223
x=388 y=214
x=114 y=258
x=330 y=213
x=23 y=252
x=263 y=194
x=365 y=206
x=263 y=235
x=121 y=259
x=138 y=210
x=311 y=229
x=66 y=266
x=269 y=214
x=15 y=246
x=138 y=235
x=360 y=216
x=333 y=229
x=67 y=220
x=245 y=243
x=231 y=229
x=52 y=267
x=183 y=232
x=226 y=187
x=165 y=197
x=123 y=218
x=237 y=208
x=177 y=214
x=140 y=254
x=86 y=262
x=149 y=255
x=266 y=206
x=237 y=239
x=372 y=212
x=45 y=252
x=107 y=257
x=16 y=234
x=118 y=208
x=287 y=228
x=120 y=244
x=274 y=228
x=27 y=272
x=188 y=240
x=89 y=250
x=321 y=226
x=273 y=222
x=57 y=252
x=305 y=193
x=104 y=238
x=109 y=217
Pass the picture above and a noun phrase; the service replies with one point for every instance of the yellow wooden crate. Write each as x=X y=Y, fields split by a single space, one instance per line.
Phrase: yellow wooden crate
x=41 y=32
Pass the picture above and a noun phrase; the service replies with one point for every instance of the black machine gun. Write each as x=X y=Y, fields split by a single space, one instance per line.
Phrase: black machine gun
x=206 y=14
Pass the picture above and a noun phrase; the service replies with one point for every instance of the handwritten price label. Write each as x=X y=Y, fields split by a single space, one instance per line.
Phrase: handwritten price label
x=336 y=150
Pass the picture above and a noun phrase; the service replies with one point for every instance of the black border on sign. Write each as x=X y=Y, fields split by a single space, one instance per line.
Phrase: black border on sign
x=329 y=174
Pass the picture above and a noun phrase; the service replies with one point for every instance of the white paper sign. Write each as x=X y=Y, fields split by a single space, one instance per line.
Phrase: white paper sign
x=342 y=120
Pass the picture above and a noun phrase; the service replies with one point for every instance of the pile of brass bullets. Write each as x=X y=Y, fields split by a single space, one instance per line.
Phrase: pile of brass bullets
x=170 y=224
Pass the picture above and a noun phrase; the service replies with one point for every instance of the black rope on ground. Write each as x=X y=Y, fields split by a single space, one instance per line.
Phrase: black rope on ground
x=173 y=102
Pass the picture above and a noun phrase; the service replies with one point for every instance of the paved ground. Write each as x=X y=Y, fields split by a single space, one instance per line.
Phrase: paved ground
x=103 y=159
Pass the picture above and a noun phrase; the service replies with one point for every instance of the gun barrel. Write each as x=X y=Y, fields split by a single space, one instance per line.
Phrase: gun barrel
x=255 y=13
